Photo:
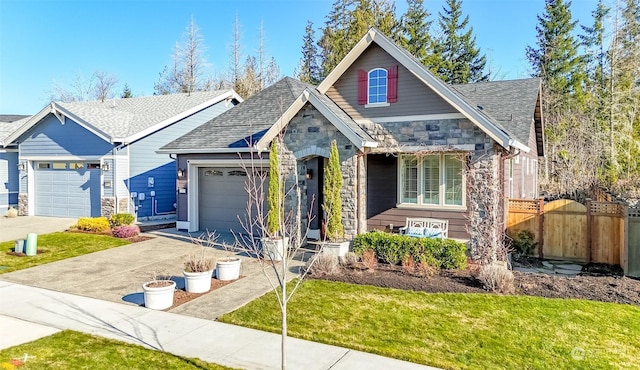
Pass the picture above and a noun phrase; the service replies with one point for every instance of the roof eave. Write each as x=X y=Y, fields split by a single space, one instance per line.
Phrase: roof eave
x=204 y=150
x=30 y=123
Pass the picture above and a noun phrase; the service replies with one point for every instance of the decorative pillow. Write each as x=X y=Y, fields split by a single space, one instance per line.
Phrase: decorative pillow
x=432 y=232
x=414 y=231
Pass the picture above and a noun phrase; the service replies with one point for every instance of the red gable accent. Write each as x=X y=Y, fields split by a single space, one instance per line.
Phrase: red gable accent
x=392 y=85
x=362 y=87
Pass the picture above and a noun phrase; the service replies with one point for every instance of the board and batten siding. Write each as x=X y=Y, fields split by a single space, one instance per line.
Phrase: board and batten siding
x=145 y=163
x=9 y=184
x=414 y=97
x=108 y=176
x=50 y=138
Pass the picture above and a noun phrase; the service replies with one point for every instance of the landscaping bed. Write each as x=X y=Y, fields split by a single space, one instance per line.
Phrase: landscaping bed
x=614 y=289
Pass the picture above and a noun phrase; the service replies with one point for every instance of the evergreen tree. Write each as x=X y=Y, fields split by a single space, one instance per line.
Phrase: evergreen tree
x=126 y=92
x=332 y=43
x=456 y=58
x=308 y=69
x=414 y=31
x=332 y=204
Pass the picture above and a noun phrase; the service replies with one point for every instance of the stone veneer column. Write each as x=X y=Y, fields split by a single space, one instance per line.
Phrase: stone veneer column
x=107 y=206
x=23 y=204
x=123 y=205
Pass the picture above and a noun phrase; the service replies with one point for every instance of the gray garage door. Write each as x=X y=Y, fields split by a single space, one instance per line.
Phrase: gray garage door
x=221 y=198
x=67 y=189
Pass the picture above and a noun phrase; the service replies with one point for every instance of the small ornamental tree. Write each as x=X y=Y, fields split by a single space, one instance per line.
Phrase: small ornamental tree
x=332 y=204
x=274 y=197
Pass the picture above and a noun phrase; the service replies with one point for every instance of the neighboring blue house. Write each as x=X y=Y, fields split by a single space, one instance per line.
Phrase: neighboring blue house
x=9 y=162
x=98 y=158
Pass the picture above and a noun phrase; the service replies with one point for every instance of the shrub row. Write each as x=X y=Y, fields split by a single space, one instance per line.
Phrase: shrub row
x=393 y=248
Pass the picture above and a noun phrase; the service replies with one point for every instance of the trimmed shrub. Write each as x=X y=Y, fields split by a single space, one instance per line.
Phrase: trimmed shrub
x=496 y=278
x=126 y=231
x=12 y=213
x=120 y=219
x=524 y=243
x=393 y=248
x=93 y=224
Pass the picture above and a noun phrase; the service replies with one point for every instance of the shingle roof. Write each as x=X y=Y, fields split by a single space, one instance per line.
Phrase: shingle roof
x=11 y=117
x=121 y=118
x=247 y=121
x=8 y=125
x=512 y=103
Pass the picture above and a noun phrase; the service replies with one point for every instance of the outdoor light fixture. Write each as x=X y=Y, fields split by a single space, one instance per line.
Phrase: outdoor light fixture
x=21 y=166
x=180 y=173
x=105 y=167
x=309 y=174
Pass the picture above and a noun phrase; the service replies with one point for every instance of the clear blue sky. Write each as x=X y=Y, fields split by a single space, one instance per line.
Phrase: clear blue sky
x=46 y=41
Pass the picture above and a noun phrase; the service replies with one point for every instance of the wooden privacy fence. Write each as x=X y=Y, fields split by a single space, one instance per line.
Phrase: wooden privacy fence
x=633 y=245
x=566 y=229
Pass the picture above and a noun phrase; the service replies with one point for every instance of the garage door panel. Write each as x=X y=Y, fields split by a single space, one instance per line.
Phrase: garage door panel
x=67 y=193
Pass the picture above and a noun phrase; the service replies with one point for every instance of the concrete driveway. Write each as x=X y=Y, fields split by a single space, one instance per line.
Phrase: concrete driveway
x=19 y=227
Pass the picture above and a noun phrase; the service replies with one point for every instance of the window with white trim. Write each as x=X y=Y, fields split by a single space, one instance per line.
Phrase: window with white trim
x=431 y=180
x=377 y=86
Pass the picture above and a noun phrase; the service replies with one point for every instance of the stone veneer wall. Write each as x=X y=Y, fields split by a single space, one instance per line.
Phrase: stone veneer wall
x=310 y=129
x=107 y=206
x=123 y=204
x=23 y=204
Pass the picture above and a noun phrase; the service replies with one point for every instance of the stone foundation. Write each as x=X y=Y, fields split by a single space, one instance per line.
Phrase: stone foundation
x=23 y=204
x=107 y=206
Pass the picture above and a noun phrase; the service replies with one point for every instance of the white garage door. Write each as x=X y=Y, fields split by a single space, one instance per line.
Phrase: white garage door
x=67 y=189
x=221 y=198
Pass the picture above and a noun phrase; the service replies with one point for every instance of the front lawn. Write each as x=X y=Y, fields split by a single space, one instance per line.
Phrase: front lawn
x=73 y=350
x=455 y=331
x=57 y=246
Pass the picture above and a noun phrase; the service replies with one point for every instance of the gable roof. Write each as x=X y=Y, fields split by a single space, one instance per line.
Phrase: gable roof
x=8 y=125
x=513 y=103
x=127 y=120
x=490 y=126
x=256 y=121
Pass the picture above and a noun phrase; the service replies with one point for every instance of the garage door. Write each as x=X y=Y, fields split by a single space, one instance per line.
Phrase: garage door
x=67 y=189
x=221 y=198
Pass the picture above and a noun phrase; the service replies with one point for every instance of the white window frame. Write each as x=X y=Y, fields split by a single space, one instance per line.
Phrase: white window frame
x=420 y=178
x=510 y=174
x=385 y=103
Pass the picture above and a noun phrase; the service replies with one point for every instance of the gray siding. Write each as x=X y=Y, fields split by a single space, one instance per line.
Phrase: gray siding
x=414 y=98
x=144 y=162
x=108 y=176
x=9 y=183
x=51 y=138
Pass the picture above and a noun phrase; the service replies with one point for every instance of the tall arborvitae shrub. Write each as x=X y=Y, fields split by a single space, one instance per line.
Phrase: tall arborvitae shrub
x=332 y=205
x=275 y=192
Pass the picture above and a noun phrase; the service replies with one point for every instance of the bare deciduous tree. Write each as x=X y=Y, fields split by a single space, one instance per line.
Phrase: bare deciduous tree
x=99 y=86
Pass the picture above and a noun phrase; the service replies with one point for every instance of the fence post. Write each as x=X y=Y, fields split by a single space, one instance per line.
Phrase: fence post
x=589 y=228
x=624 y=255
x=540 y=227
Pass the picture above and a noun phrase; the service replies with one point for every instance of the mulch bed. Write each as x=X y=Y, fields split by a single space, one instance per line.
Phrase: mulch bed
x=22 y=254
x=616 y=289
x=181 y=296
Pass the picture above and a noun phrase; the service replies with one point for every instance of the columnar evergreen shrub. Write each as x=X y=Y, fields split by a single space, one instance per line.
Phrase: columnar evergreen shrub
x=393 y=248
x=274 y=196
x=332 y=200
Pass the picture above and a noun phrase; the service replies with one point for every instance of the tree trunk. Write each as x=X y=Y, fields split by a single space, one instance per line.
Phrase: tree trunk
x=283 y=345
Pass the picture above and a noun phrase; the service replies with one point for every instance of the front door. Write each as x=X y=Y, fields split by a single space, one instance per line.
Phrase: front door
x=314 y=178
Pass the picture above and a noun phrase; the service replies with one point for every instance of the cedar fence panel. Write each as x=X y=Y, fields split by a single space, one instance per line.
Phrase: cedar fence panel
x=566 y=229
x=633 y=255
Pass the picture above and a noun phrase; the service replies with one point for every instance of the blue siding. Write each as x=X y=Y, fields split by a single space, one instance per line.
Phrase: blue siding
x=51 y=138
x=9 y=182
x=145 y=162
x=108 y=176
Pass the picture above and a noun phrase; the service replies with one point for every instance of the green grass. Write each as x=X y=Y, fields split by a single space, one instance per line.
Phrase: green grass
x=58 y=246
x=73 y=350
x=457 y=331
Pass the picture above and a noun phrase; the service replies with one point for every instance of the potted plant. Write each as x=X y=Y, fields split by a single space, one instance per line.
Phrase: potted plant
x=198 y=270
x=158 y=292
x=274 y=244
x=227 y=268
x=334 y=242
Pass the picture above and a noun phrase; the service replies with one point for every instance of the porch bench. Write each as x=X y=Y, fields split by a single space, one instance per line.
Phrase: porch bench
x=426 y=228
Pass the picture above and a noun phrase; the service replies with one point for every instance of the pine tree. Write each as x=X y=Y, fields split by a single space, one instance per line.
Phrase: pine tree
x=456 y=58
x=332 y=42
x=414 y=31
x=126 y=92
x=308 y=70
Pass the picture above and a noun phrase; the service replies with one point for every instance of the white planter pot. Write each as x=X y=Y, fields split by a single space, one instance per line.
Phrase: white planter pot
x=158 y=298
x=274 y=249
x=336 y=248
x=197 y=282
x=228 y=269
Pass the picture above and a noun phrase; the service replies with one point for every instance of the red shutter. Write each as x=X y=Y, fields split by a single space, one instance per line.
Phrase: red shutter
x=362 y=87
x=392 y=85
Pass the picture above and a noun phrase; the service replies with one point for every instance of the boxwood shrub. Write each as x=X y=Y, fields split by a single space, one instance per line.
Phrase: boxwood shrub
x=93 y=224
x=392 y=248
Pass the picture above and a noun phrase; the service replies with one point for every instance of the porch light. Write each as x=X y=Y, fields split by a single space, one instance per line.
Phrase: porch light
x=21 y=166
x=105 y=167
x=309 y=174
x=180 y=173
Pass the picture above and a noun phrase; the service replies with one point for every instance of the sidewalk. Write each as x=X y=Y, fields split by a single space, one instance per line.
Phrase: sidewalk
x=42 y=312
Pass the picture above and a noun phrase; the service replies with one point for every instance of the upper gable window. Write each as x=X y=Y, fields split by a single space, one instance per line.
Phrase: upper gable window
x=377 y=86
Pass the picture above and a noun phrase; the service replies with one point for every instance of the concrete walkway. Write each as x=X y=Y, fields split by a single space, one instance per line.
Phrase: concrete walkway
x=18 y=227
x=41 y=312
